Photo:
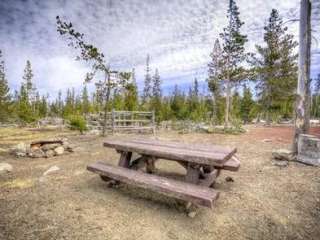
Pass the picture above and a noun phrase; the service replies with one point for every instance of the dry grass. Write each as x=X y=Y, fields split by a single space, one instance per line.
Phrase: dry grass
x=264 y=201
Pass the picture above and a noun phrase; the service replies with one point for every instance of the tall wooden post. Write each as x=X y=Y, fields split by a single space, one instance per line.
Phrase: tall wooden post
x=112 y=120
x=153 y=123
x=301 y=112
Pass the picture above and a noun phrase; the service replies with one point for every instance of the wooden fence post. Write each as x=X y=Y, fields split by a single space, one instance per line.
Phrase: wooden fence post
x=112 y=121
x=153 y=123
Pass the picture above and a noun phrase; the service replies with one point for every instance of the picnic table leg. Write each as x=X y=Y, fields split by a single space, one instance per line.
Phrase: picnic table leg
x=209 y=175
x=193 y=176
x=193 y=173
x=150 y=165
x=138 y=163
x=124 y=161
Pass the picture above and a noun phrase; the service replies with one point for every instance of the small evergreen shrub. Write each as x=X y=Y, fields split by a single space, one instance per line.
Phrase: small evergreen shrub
x=77 y=123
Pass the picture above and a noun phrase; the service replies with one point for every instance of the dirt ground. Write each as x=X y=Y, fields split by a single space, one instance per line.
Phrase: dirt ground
x=264 y=201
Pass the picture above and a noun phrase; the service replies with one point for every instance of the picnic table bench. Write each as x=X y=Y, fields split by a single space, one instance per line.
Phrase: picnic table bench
x=203 y=164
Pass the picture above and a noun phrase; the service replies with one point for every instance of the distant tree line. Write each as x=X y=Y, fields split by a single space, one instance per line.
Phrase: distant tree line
x=243 y=86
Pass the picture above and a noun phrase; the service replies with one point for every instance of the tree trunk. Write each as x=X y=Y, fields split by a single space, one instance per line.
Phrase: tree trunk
x=107 y=97
x=228 y=93
x=227 y=108
x=214 y=110
x=301 y=113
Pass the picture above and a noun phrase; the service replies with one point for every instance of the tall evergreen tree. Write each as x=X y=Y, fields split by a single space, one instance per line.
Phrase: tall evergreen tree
x=156 y=94
x=276 y=67
x=59 y=104
x=131 y=100
x=25 y=113
x=147 y=89
x=43 y=108
x=178 y=105
x=315 y=100
x=85 y=109
x=27 y=77
x=117 y=102
x=68 y=109
x=193 y=101
x=233 y=54
x=246 y=105
x=215 y=70
x=5 y=98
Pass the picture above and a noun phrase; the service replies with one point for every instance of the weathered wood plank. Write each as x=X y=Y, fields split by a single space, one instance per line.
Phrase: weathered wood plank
x=209 y=178
x=233 y=164
x=150 y=164
x=125 y=159
x=183 y=164
x=200 y=157
x=191 y=146
x=138 y=163
x=198 y=195
x=193 y=173
x=43 y=142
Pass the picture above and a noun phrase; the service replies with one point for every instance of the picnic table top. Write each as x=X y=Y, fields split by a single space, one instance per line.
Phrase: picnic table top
x=196 y=153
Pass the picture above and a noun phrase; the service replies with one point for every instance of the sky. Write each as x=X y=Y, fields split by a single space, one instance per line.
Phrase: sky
x=178 y=35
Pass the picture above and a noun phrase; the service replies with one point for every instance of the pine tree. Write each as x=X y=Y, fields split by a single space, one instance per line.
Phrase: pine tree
x=43 y=108
x=68 y=109
x=315 y=105
x=215 y=71
x=25 y=113
x=156 y=95
x=178 y=105
x=193 y=101
x=117 y=102
x=30 y=87
x=147 y=90
x=233 y=54
x=85 y=109
x=5 y=98
x=27 y=77
x=236 y=106
x=59 y=104
x=246 y=106
x=36 y=105
x=78 y=105
x=276 y=67
x=131 y=100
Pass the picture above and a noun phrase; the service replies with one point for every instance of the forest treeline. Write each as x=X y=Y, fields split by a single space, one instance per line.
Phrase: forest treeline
x=242 y=86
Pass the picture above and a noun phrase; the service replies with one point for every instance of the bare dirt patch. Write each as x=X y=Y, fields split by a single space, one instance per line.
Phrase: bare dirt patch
x=263 y=202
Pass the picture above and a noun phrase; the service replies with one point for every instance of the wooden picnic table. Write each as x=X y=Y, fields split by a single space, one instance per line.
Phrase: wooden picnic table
x=203 y=164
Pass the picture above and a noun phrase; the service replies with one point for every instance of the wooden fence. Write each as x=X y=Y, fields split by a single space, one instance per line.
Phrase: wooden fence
x=131 y=121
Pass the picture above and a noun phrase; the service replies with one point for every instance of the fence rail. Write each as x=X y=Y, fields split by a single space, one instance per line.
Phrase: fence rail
x=131 y=120
x=123 y=121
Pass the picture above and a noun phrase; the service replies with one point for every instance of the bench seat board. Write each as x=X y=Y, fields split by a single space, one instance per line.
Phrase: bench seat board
x=233 y=164
x=214 y=158
x=196 y=194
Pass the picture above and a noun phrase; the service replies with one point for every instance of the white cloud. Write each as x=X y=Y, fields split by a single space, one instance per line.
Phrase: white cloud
x=178 y=35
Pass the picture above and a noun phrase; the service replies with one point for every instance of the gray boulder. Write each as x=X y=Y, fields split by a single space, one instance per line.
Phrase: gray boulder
x=309 y=149
x=280 y=163
x=50 y=153
x=37 y=153
x=59 y=150
x=20 y=150
x=47 y=147
x=283 y=154
x=51 y=170
x=5 y=167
